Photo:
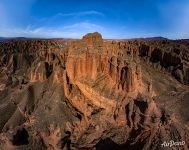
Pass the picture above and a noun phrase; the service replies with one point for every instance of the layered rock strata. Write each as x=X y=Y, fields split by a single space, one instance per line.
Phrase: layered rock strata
x=93 y=93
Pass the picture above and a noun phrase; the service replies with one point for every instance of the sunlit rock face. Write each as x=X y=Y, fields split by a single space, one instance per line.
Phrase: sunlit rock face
x=93 y=93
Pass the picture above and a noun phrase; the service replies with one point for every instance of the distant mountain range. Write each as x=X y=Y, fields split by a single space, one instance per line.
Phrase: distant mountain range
x=13 y=38
x=25 y=38
x=159 y=38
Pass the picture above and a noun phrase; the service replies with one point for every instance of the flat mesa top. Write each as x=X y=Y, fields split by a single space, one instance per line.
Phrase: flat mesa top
x=93 y=38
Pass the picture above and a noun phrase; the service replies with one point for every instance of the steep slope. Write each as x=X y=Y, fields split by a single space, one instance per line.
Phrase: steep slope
x=93 y=94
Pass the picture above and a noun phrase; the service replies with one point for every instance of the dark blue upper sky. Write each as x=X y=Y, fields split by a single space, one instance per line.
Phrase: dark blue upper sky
x=112 y=18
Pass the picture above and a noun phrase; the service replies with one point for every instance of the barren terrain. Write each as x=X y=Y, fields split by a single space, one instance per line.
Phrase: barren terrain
x=93 y=94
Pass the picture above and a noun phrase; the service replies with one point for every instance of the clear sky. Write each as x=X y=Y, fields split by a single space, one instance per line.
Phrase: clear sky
x=112 y=18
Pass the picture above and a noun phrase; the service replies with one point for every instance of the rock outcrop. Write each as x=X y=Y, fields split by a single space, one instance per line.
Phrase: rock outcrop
x=93 y=94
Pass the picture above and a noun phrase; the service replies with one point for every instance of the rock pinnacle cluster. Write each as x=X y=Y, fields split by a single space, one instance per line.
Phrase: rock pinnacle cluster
x=93 y=94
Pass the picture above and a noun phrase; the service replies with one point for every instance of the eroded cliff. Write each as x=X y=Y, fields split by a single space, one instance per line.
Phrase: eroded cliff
x=93 y=93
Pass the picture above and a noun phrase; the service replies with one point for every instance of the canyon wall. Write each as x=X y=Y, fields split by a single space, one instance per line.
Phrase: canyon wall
x=91 y=93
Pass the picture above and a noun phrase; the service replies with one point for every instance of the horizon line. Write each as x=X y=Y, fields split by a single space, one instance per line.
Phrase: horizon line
x=76 y=38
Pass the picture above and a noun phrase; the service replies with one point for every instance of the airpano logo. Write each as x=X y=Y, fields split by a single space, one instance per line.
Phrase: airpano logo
x=172 y=143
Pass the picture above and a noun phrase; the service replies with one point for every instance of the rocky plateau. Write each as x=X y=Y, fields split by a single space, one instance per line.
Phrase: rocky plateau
x=94 y=94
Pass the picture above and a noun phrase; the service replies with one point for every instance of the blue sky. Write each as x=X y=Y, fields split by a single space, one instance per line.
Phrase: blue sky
x=113 y=18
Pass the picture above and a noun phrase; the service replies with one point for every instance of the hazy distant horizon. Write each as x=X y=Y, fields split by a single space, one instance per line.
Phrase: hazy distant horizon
x=72 y=38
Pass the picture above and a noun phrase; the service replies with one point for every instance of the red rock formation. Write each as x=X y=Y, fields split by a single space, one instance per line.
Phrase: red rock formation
x=72 y=94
